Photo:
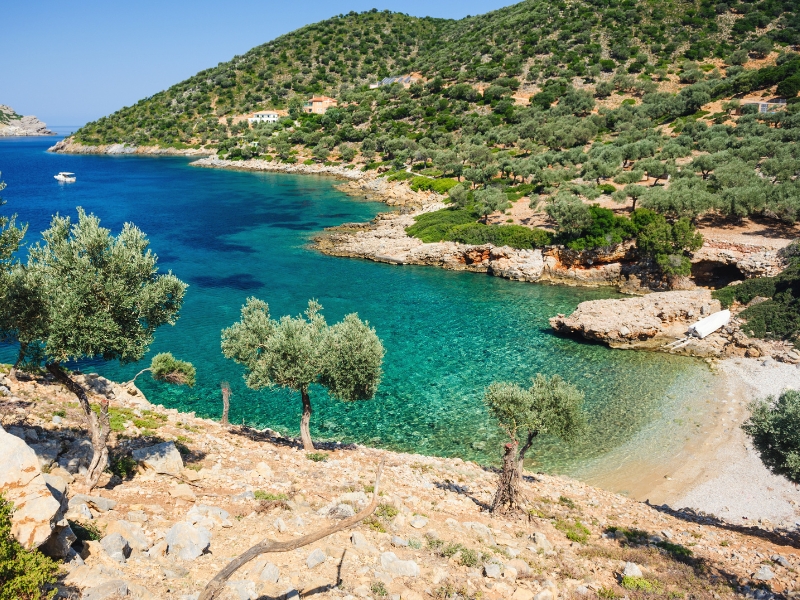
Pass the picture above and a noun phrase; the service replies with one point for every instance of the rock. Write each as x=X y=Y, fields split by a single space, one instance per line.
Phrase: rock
x=208 y=515
x=46 y=452
x=56 y=485
x=523 y=569
x=80 y=512
x=399 y=542
x=139 y=592
x=400 y=568
x=183 y=491
x=186 y=541
x=777 y=558
x=174 y=571
x=492 y=570
x=264 y=470
x=418 y=522
x=540 y=542
x=116 y=547
x=544 y=595
x=77 y=458
x=12 y=124
x=37 y=513
x=280 y=525
x=132 y=533
x=137 y=516
x=509 y=573
x=341 y=511
x=57 y=420
x=522 y=594
x=631 y=570
x=244 y=590
x=764 y=574
x=116 y=588
x=270 y=573
x=317 y=557
x=96 y=502
x=361 y=544
x=162 y=458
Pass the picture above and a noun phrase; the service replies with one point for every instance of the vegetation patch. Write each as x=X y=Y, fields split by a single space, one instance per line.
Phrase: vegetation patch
x=575 y=531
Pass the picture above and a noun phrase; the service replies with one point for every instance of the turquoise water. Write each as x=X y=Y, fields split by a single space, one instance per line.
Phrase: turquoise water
x=448 y=335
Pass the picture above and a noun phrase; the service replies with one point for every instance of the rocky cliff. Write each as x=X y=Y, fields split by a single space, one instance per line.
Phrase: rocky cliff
x=188 y=495
x=67 y=146
x=12 y=124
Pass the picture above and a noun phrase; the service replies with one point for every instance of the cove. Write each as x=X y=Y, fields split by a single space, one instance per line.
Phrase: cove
x=448 y=335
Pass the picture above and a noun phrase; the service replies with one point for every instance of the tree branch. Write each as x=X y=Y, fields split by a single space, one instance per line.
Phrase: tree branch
x=265 y=546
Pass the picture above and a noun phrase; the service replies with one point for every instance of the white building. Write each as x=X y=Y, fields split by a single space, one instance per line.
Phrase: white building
x=269 y=116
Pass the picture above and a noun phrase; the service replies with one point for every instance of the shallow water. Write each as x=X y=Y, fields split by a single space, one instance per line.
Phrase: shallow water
x=447 y=335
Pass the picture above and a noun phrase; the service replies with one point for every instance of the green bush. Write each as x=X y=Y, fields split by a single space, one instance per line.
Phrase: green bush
x=515 y=236
x=774 y=427
x=168 y=368
x=607 y=188
x=317 y=456
x=440 y=186
x=575 y=531
x=269 y=496
x=745 y=291
x=433 y=226
x=24 y=574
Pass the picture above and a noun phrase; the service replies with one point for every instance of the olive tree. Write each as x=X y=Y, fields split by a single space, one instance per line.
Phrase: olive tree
x=550 y=406
x=490 y=199
x=774 y=427
x=295 y=352
x=165 y=367
x=101 y=297
x=10 y=239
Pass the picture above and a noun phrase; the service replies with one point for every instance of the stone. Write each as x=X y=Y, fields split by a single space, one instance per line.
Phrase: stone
x=116 y=547
x=59 y=544
x=361 y=544
x=46 y=452
x=522 y=594
x=523 y=569
x=341 y=511
x=509 y=573
x=187 y=541
x=209 y=514
x=631 y=570
x=137 y=516
x=418 y=522
x=183 y=491
x=77 y=458
x=764 y=574
x=400 y=568
x=777 y=558
x=270 y=573
x=132 y=532
x=540 y=542
x=36 y=512
x=115 y=588
x=317 y=557
x=399 y=542
x=162 y=458
x=280 y=525
x=56 y=485
x=244 y=590
x=98 y=503
x=492 y=570
x=174 y=571
x=264 y=470
x=57 y=420
x=544 y=595
x=80 y=512
x=139 y=592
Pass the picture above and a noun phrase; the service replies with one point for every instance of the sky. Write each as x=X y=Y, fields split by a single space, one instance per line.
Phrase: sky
x=70 y=63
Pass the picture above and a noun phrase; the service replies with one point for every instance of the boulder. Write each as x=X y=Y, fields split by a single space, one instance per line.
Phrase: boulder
x=361 y=544
x=264 y=470
x=418 y=522
x=270 y=573
x=37 y=514
x=162 y=458
x=132 y=532
x=183 y=491
x=631 y=570
x=400 y=568
x=186 y=541
x=46 y=452
x=98 y=503
x=116 y=547
x=116 y=588
x=76 y=460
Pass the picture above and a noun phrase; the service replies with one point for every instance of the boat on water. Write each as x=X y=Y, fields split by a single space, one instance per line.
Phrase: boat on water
x=65 y=177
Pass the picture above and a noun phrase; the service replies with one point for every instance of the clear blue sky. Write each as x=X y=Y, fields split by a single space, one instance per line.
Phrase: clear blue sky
x=72 y=62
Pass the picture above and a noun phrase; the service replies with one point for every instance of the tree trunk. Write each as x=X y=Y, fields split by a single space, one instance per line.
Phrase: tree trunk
x=99 y=425
x=226 y=402
x=305 y=420
x=506 y=498
x=12 y=374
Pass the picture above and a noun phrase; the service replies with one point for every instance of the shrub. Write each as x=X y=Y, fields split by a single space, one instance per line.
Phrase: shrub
x=86 y=532
x=440 y=186
x=317 y=456
x=515 y=236
x=269 y=496
x=607 y=188
x=24 y=574
x=773 y=427
x=123 y=466
x=386 y=510
x=745 y=291
x=575 y=531
x=639 y=583
x=433 y=226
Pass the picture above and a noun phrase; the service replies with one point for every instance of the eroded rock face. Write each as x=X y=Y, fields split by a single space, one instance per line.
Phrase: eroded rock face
x=12 y=124
x=37 y=515
x=161 y=458
x=646 y=321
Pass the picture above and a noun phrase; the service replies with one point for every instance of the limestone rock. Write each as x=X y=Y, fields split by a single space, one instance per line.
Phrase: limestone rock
x=116 y=588
x=97 y=502
x=187 y=541
x=77 y=458
x=161 y=458
x=764 y=573
x=361 y=544
x=132 y=532
x=317 y=557
x=418 y=522
x=401 y=568
x=183 y=491
x=264 y=470
x=36 y=512
x=631 y=570
x=116 y=547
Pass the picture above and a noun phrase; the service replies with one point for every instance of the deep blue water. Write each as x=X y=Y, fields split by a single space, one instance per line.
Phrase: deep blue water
x=231 y=235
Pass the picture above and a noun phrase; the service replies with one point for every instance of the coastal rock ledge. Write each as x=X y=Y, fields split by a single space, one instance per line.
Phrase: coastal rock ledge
x=12 y=124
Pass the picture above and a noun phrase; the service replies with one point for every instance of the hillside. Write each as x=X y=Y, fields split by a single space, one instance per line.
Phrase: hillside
x=163 y=528
x=12 y=124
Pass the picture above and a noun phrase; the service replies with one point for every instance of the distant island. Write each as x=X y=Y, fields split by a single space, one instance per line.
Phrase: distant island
x=12 y=124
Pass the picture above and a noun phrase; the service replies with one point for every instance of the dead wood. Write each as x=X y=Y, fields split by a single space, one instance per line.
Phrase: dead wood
x=265 y=546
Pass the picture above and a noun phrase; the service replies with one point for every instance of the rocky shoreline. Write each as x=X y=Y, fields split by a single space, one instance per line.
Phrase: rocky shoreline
x=67 y=146
x=12 y=124
x=199 y=493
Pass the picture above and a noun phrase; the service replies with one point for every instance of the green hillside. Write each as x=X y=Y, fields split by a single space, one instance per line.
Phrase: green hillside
x=557 y=101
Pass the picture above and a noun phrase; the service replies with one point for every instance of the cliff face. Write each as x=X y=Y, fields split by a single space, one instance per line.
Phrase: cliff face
x=68 y=146
x=12 y=124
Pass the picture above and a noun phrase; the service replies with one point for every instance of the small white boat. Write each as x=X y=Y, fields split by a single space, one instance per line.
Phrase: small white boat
x=709 y=325
x=65 y=177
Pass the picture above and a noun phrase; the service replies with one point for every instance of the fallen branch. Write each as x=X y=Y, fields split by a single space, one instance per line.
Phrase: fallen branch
x=215 y=586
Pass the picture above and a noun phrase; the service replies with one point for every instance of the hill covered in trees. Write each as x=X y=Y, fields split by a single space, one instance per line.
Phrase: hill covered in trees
x=558 y=101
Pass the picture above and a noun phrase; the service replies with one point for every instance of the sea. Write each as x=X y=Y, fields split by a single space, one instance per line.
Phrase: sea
x=232 y=235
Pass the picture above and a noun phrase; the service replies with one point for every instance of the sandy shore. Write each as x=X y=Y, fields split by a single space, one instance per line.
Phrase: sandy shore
x=716 y=470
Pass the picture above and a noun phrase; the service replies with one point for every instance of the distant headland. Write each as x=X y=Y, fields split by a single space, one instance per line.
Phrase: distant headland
x=12 y=124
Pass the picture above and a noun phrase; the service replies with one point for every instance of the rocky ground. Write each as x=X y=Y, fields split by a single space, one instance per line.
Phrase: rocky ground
x=12 y=124
x=651 y=322
x=175 y=513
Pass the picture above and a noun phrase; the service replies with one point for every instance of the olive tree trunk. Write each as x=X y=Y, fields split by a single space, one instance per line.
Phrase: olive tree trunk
x=99 y=425
x=506 y=498
x=12 y=374
x=305 y=420
x=226 y=402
